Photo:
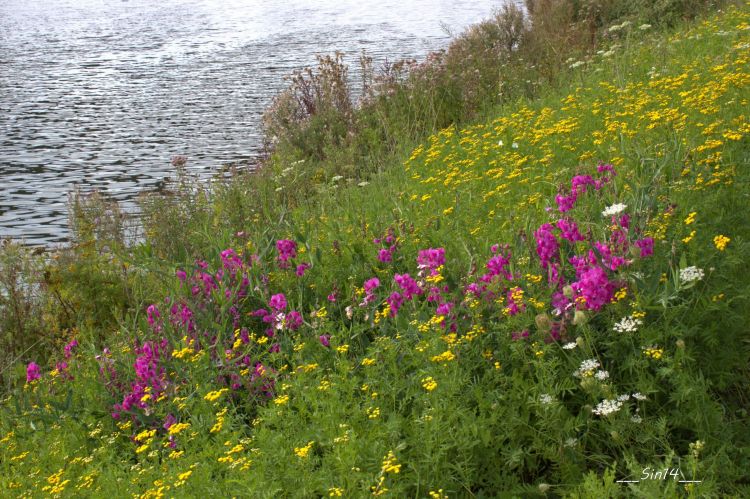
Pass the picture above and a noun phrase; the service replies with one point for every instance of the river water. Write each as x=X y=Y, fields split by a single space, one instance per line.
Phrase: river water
x=100 y=94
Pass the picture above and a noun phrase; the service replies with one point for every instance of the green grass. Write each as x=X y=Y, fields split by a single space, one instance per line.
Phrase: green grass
x=402 y=406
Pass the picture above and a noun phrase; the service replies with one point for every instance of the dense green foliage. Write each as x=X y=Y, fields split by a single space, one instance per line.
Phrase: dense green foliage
x=502 y=368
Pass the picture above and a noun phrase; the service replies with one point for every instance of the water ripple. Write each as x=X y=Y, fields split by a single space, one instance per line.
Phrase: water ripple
x=101 y=94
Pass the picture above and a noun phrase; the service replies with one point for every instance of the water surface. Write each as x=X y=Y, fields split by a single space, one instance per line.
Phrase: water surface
x=101 y=94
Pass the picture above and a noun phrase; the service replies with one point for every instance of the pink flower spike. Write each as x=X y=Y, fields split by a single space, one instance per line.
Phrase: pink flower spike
x=32 y=372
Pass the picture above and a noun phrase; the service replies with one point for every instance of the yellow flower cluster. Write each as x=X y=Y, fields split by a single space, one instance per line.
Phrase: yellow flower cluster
x=281 y=399
x=721 y=242
x=56 y=483
x=220 y=416
x=215 y=395
x=302 y=452
x=342 y=348
x=653 y=352
x=390 y=464
x=429 y=383
x=177 y=428
x=446 y=356
x=182 y=478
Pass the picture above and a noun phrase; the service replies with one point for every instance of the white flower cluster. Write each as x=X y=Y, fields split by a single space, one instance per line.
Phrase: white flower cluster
x=607 y=407
x=546 y=399
x=639 y=396
x=601 y=375
x=628 y=325
x=587 y=368
x=618 y=27
x=570 y=346
x=615 y=209
x=690 y=274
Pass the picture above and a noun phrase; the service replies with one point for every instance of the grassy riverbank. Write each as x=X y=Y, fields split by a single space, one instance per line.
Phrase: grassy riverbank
x=544 y=299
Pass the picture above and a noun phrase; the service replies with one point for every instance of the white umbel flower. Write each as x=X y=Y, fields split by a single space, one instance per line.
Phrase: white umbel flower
x=546 y=399
x=570 y=346
x=601 y=375
x=615 y=209
x=607 y=407
x=628 y=325
x=587 y=368
x=690 y=274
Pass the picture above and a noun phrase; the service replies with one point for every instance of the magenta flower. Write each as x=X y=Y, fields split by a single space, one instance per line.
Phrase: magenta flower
x=152 y=315
x=408 y=285
x=605 y=167
x=595 y=288
x=69 y=348
x=231 y=261
x=580 y=183
x=293 y=320
x=181 y=275
x=609 y=259
x=565 y=203
x=209 y=283
x=547 y=246
x=278 y=302
x=287 y=250
x=371 y=284
x=646 y=245
x=569 y=230
x=474 y=289
x=369 y=287
x=581 y=263
x=385 y=255
x=394 y=302
x=497 y=265
x=169 y=421
x=301 y=268
x=325 y=340
x=33 y=372
x=444 y=309
x=431 y=259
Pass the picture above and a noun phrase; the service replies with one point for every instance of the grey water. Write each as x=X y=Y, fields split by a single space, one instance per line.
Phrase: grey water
x=100 y=94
